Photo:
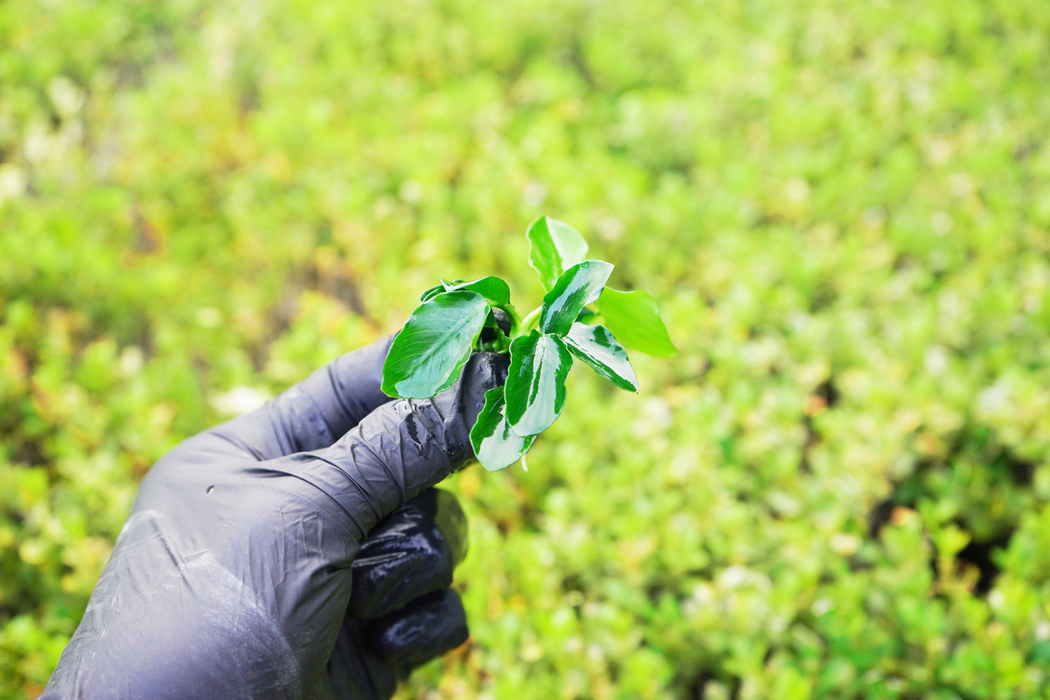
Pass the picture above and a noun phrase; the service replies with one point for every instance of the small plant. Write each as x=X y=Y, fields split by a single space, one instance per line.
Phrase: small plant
x=457 y=318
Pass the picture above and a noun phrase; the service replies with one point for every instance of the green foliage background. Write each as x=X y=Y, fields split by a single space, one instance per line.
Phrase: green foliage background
x=843 y=208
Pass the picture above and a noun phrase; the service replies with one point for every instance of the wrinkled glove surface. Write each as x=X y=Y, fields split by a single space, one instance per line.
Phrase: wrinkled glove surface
x=294 y=552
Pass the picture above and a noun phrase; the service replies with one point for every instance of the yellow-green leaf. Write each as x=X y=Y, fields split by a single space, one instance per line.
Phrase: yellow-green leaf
x=635 y=321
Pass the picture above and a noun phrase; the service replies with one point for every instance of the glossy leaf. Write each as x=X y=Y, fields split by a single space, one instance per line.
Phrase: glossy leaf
x=635 y=321
x=578 y=286
x=554 y=247
x=596 y=346
x=535 y=391
x=496 y=445
x=435 y=343
x=492 y=288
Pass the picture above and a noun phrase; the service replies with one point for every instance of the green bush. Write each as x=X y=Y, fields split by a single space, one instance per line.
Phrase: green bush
x=837 y=490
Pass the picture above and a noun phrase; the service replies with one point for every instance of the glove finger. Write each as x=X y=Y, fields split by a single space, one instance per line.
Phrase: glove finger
x=400 y=449
x=354 y=671
x=310 y=415
x=412 y=636
x=411 y=553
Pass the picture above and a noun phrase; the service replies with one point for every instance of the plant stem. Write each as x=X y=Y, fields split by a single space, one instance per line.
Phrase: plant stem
x=526 y=323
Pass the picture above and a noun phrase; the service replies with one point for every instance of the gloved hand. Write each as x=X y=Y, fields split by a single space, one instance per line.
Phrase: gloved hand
x=402 y=612
x=232 y=577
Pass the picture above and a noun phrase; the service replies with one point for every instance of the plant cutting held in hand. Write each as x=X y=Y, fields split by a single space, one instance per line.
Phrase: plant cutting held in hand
x=457 y=318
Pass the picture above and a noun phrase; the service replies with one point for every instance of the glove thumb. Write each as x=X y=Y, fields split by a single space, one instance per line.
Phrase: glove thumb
x=403 y=447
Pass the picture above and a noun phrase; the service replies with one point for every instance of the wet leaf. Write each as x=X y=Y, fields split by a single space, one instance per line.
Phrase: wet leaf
x=496 y=445
x=435 y=343
x=535 y=392
x=635 y=321
x=554 y=247
x=596 y=346
x=578 y=286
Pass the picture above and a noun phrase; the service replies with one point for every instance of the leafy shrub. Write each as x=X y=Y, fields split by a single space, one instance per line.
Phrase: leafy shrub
x=837 y=489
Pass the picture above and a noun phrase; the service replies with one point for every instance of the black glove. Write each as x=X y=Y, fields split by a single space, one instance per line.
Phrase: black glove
x=232 y=576
x=402 y=612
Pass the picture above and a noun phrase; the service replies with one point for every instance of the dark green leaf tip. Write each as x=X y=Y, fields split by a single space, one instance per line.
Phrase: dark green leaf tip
x=578 y=286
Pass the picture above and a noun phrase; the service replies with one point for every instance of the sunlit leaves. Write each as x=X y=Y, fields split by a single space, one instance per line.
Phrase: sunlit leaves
x=459 y=317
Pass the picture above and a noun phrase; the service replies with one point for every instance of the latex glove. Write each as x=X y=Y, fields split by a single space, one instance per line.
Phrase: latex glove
x=232 y=576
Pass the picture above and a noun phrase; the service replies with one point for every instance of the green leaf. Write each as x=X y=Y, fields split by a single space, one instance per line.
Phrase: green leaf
x=492 y=338
x=635 y=320
x=596 y=346
x=535 y=391
x=435 y=343
x=578 y=286
x=585 y=315
x=515 y=319
x=432 y=292
x=554 y=247
x=495 y=444
x=492 y=288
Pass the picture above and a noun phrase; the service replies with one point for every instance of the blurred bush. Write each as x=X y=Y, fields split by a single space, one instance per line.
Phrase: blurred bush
x=839 y=488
